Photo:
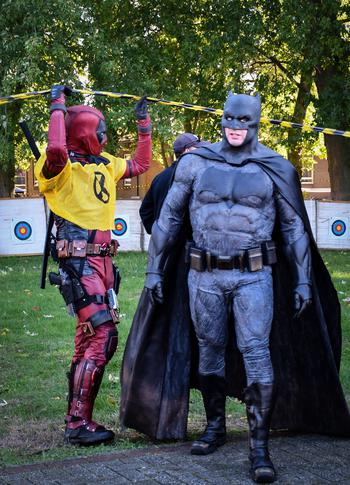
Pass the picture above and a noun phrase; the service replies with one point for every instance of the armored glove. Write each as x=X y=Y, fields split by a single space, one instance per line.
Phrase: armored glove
x=154 y=282
x=141 y=111
x=302 y=299
x=58 y=89
x=58 y=93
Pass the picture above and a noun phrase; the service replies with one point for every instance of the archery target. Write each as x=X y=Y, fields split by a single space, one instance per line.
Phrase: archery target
x=23 y=230
x=121 y=227
x=339 y=228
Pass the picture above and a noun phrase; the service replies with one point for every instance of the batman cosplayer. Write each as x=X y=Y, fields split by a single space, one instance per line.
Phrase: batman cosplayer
x=265 y=313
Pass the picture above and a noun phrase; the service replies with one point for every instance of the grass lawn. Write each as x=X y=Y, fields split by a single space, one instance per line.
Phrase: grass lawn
x=36 y=345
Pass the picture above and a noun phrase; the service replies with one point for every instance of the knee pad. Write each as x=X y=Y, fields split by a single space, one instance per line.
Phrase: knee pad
x=111 y=344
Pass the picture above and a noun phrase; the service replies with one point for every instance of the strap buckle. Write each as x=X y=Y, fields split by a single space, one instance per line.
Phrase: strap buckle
x=104 y=249
x=241 y=261
x=88 y=329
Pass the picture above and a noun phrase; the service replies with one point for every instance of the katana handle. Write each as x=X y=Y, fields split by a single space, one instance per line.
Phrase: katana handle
x=36 y=153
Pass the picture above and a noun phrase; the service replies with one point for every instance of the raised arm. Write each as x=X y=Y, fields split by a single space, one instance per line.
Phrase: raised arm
x=142 y=157
x=297 y=250
x=56 y=152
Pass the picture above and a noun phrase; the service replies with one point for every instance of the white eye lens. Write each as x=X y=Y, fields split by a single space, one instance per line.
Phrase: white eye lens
x=229 y=118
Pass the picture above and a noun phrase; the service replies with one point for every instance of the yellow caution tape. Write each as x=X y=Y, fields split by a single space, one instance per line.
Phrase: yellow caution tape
x=285 y=124
x=18 y=97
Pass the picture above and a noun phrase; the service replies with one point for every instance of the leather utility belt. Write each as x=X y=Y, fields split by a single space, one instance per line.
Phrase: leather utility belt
x=81 y=249
x=249 y=259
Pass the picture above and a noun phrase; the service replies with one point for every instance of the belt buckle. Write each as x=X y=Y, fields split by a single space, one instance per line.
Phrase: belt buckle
x=224 y=262
x=104 y=249
x=88 y=329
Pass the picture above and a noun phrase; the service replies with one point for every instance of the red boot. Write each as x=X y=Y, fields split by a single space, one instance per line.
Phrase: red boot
x=84 y=382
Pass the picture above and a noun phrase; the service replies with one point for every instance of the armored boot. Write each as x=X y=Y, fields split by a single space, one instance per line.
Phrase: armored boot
x=214 y=398
x=84 y=382
x=259 y=400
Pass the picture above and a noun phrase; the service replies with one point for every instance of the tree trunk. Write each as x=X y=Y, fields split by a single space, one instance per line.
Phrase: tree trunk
x=6 y=182
x=338 y=154
x=331 y=84
x=295 y=139
x=166 y=154
x=188 y=125
x=8 y=141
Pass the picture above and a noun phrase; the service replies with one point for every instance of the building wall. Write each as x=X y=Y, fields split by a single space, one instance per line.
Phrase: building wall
x=321 y=175
x=137 y=187
x=318 y=187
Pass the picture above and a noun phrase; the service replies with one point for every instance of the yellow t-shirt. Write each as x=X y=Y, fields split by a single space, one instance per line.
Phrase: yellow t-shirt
x=84 y=194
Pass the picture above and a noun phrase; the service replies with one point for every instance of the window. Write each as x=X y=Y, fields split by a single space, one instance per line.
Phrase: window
x=308 y=176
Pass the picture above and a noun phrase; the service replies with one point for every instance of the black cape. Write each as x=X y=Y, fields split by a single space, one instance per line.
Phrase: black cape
x=154 y=198
x=160 y=358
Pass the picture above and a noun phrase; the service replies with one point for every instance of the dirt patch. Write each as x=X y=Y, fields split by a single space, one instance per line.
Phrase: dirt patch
x=33 y=436
x=197 y=423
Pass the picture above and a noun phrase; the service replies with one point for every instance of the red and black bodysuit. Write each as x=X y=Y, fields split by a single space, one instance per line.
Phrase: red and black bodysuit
x=80 y=137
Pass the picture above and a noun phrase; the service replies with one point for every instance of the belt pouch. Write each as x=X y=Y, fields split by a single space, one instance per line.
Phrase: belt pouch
x=197 y=257
x=254 y=259
x=269 y=251
x=79 y=249
x=62 y=248
x=188 y=248
x=114 y=247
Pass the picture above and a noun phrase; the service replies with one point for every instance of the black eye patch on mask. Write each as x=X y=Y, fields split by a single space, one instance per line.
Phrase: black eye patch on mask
x=101 y=131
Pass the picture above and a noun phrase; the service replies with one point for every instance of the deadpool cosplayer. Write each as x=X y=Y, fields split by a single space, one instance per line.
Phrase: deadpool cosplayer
x=265 y=313
x=79 y=180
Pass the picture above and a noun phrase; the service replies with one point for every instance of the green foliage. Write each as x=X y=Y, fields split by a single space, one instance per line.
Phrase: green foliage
x=40 y=45
x=294 y=52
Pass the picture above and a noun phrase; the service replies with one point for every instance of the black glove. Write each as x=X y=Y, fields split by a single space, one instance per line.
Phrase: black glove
x=57 y=89
x=154 y=282
x=141 y=111
x=302 y=299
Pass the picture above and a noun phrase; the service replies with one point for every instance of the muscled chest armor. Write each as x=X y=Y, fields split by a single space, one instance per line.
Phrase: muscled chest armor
x=232 y=207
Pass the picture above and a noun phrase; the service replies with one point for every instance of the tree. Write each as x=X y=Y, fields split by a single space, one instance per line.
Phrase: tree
x=308 y=42
x=40 y=45
x=294 y=52
x=163 y=49
x=197 y=51
x=332 y=78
